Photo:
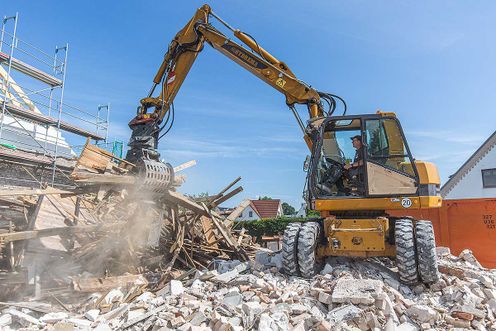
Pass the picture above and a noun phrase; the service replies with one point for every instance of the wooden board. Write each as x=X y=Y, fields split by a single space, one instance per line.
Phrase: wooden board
x=104 y=284
x=93 y=157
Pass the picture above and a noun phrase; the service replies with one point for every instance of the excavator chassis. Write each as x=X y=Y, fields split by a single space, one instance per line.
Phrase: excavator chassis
x=410 y=242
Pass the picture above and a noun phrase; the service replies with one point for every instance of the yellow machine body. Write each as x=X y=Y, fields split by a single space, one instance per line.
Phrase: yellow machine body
x=356 y=237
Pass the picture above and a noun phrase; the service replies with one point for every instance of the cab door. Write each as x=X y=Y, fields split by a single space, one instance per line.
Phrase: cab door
x=390 y=169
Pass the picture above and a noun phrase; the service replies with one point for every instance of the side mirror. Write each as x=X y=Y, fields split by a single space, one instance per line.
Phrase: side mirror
x=306 y=164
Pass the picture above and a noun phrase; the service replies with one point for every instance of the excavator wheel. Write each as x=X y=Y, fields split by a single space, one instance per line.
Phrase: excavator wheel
x=406 y=255
x=426 y=252
x=290 y=249
x=308 y=240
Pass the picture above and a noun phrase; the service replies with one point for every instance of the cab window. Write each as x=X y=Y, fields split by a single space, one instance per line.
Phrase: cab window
x=386 y=147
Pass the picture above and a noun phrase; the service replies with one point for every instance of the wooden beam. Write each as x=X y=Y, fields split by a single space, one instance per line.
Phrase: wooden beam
x=90 y=178
x=185 y=202
x=185 y=165
x=224 y=190
x=64 y=231
x=226 y=197
x=47 y=191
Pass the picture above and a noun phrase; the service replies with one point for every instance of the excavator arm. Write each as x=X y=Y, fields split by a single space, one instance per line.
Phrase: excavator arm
x=149 y=125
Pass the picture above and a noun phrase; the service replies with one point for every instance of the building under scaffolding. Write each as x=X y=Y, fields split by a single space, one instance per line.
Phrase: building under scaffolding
x=39 y=132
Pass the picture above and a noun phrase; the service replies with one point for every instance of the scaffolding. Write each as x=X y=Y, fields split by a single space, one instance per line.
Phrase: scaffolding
x=34 y=113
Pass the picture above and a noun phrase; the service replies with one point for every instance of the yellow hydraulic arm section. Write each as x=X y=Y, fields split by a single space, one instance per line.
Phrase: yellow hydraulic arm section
x=189 y=42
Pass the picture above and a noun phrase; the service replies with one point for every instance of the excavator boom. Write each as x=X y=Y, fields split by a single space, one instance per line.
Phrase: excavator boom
x=148 y=126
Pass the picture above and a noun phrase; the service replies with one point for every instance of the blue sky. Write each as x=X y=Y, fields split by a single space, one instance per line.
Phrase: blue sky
x=431 y=62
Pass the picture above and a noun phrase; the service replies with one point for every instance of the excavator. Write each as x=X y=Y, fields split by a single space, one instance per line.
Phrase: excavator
x=360 y=167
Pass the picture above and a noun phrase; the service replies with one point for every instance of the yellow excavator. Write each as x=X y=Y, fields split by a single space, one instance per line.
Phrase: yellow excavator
x=360 y=165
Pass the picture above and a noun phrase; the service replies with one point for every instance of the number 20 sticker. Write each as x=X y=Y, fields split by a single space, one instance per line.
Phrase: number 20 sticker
x=406 y=203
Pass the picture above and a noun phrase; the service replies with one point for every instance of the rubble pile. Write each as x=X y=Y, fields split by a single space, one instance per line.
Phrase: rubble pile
x=349 y=294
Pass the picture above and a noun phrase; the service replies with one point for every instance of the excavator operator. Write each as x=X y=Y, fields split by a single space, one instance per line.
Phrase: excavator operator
x=355 y=169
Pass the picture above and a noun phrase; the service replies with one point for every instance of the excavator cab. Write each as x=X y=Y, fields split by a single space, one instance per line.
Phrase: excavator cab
x=363 y=156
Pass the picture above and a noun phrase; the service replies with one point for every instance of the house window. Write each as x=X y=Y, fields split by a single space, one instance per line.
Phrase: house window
x=488 y=178
x=250 y=213
x=241 y=214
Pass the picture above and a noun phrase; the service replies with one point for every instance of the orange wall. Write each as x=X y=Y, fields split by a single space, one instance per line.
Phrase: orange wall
x=460 y=224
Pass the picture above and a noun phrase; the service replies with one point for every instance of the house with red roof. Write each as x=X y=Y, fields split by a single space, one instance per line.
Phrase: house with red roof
x=258 y=209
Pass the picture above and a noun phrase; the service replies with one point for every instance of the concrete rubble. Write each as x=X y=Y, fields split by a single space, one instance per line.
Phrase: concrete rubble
x=354 y=294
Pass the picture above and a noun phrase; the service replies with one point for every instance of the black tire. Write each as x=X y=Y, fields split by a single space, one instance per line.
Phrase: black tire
x=426 y=252
x=406 y=254
x=308 y=240
x=290 y=249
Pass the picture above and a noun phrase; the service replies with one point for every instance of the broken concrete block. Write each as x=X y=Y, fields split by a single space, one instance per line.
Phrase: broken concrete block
x=325 y=298
x=324 y=326
x=469 y=257
x=406 y=326
x=266 y=323
x=232 y=299
x=363 y=292
x=225 y=266
x=327 y=269
x=79 y=323
x=115 y=295
x=343 y=313
x=199 y=328
x=422 y=314
x=226 y=277
x=459 y=323
x=5 y=319
x=197 y=318
x=134 y=313
x=92 y=314
x=23 y=318
x=443 y=251
x=53 y=318
x=102 y=327
x=281 y=321
x=177 y=321
x=300 y=327
x=298 y=308
x=64 y=326
x=176 y=287
x=371 y=320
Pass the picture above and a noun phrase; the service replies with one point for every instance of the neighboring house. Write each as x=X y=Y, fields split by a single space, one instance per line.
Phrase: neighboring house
x=302 y=212
x=258 y=209
x=224 y=211
x=476 y=178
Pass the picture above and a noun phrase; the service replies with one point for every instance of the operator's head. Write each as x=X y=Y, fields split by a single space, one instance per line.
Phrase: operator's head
x=357 y=141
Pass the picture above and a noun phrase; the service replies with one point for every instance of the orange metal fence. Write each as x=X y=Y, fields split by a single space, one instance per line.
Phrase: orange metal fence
x=465 y=223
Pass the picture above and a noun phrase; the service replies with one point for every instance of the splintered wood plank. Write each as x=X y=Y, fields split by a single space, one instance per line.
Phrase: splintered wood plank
x=66 y=230
x=224 y=231
x=185 y=165
x=103 y=284
x=47 y=191
x=93 y=157
x=208 y=231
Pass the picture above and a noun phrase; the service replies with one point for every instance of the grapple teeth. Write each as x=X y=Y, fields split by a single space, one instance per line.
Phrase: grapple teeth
x=155 y=176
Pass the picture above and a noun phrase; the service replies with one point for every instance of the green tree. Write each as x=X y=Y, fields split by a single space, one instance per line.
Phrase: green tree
x=265 y=198
x=287 y=209
x=312 y=213
x=200 y=197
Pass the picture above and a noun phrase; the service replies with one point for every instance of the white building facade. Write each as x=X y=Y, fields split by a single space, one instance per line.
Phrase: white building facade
x=476 y=178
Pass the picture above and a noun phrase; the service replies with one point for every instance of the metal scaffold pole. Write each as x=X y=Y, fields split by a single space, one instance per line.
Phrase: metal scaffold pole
x=63 y=71
x=7 y=80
